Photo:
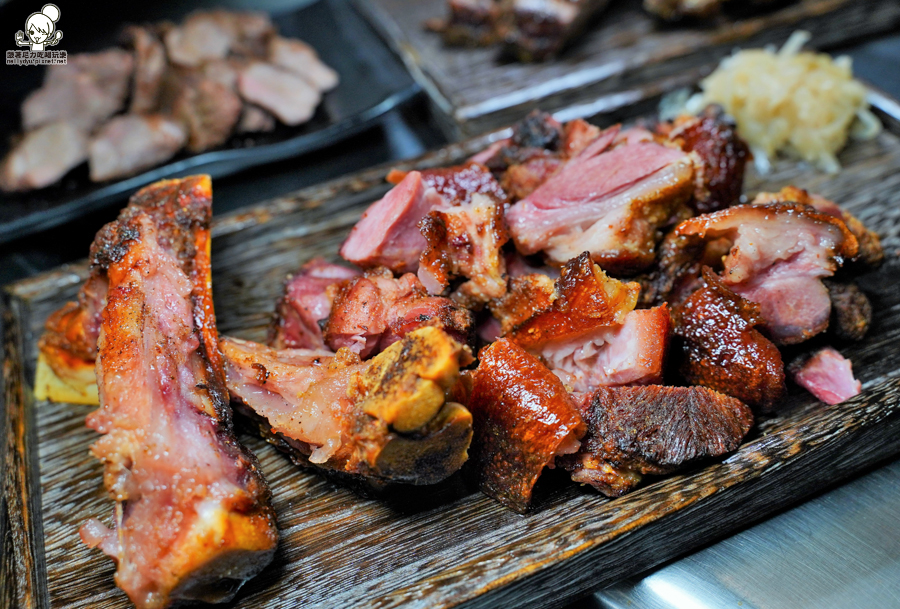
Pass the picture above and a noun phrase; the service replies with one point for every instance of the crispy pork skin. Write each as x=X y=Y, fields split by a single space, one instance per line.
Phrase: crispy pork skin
x=388 y=418
x=192 y=518
x=586 y=330
x=129 y=143
x=778 y=257
x=302 y=59
x=375 y=310
x=149 y=68
x=722 y=156
x=523 y=418
x=86 y=90
x=609 y=201
x=44 y=156
x=826 y=374
x=283 y=93
x=723 y=350
x=633 y=431
x=306 y=303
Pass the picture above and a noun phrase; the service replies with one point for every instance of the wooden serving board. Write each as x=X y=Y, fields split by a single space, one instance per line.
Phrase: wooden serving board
x=447 y=546
x=624 y=56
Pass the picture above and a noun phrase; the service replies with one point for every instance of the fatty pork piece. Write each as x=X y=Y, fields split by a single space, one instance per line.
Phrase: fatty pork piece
x=634 y=431
x=586 y=330
x=826 y=374
x=192 y=517
x=149 y=68
x=387 y=418
x=283 y=93
x=302 y=59
x=721 y=157
x=539 y=29
x=306 y=305
x=523 y=419
x=779 y=253
x=611 y=200
x=870 y=254
x=44 y=156
x=130 y=143
x=388 y=233
x=86 y=91
x=209 y=35
x=469 y=23
x=371 y=312
x=723 y=350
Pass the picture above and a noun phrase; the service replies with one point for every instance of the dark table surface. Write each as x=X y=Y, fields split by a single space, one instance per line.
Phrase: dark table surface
x=409 y=132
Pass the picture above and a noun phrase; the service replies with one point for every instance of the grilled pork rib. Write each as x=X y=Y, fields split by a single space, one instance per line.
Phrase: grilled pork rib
x=192 y=517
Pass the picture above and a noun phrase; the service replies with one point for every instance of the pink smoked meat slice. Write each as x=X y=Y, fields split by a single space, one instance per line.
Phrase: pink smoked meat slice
x=828 y=375
x=779 y=255
x=286 y=95
x=302 y=59
x=307 y=302
x=610 y=202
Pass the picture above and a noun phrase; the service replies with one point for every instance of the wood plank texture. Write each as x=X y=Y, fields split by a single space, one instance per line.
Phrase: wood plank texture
x=623 y=54
x=447 y=546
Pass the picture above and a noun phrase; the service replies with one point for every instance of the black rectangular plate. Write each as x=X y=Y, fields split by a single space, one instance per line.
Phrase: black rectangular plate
x=373 y=81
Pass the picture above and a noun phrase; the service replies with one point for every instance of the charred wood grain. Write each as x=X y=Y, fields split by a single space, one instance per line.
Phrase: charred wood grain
x=625 y=53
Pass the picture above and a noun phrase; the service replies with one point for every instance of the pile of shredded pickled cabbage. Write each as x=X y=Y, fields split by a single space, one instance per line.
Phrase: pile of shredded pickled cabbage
x=802 y=104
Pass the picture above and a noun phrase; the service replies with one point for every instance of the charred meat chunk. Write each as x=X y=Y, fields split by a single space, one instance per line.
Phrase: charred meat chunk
x=523 y=419
x=192 y=520
x=633 y=431
x=851 y=311
x=723 y=350
x=388 y=418
x=540 y=29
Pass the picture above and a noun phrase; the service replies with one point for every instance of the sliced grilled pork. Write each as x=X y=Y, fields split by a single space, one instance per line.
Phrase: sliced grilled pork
x=523 y=420
x=289 y=97
x=609 y=201
x=208 y=35
x=633 y=431
x=300 y=58
x=722 y=348
x=129 y=143
x=387 y=418
x=826 y=374
x=306 y=304
x=375 y=310
x=149 y=68
x=192 y=520
x=44 y=156
x=721 y=154
x=209 y=109
x=255 y=120
x=86 y=90
x=778 y=255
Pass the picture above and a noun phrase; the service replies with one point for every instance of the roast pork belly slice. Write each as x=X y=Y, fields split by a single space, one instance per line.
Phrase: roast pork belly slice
x=870 y=254
x=465 y=240
x=633 y=431
x=86 y=90
x=540 y=29
x=44 y=156
x=779 y=255
x=523 y=419
x=209 y=35
x=289 y=97
x=192 y=520
x=611 y=202
x=301 y=59
x=388 y=234
x=388 y=418
x=720 y=153
x=826 y=374
x=149 y=68
x=130 y=143
x=306 y=304
x=723 y=350
x=375 y=310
